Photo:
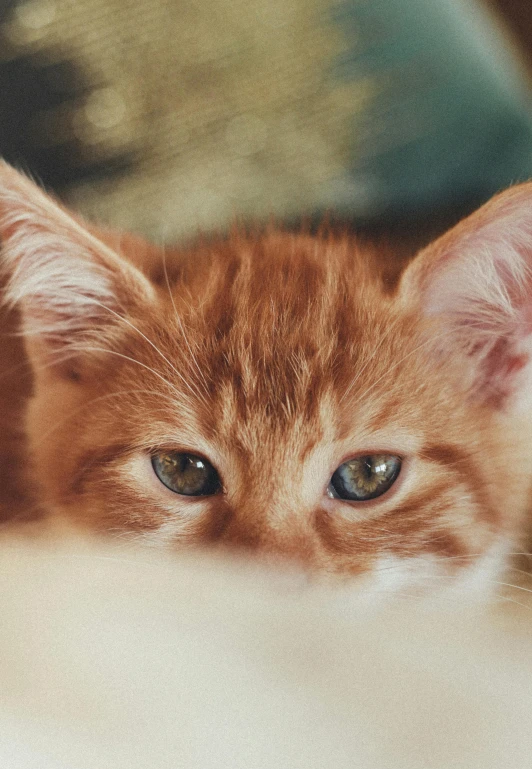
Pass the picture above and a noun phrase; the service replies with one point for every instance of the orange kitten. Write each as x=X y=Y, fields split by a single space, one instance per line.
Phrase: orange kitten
x=267 y=392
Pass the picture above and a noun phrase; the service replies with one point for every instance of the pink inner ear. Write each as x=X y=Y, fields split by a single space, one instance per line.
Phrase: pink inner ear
x=478 y=280
x=498 y=373
x=66 y=281
x=490 y=320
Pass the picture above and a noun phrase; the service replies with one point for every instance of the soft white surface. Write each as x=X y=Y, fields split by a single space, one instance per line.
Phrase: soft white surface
x=123 y=659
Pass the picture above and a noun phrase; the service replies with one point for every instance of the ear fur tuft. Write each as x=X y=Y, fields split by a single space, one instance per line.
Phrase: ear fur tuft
x=60 y=275
x=476 y=281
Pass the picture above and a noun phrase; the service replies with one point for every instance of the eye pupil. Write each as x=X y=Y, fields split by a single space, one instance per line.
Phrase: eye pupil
x=186 y=474
x=365 y=477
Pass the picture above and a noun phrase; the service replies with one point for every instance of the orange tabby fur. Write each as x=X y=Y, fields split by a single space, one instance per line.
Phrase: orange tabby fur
x=279 y=356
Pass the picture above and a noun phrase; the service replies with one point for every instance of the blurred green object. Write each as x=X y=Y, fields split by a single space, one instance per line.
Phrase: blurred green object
x=450 y=119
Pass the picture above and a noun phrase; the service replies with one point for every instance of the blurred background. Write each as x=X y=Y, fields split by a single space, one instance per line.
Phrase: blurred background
x=169 y=116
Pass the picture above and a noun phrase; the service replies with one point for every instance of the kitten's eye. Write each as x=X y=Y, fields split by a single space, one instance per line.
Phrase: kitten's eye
x=365 y=477
x=186 y=473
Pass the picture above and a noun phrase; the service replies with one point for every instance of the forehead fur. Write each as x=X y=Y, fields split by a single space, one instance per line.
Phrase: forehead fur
x=276 y=321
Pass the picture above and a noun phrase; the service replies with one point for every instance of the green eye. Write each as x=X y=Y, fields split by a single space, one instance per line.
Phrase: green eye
x=186 y=474
x=365 y=477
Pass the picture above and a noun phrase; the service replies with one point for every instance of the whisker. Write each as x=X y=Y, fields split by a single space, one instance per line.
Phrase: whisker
x=507 y=599
x=180 y=323
x=489 y=580
x=92 y=401
x=131 y=325
x=398 y=363
x=131 y=360
x=371 y=358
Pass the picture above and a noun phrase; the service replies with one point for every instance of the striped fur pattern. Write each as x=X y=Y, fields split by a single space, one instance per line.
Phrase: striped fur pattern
x=277 y=357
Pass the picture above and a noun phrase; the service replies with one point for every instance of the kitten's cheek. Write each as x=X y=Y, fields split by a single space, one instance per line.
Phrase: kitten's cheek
x=356 y=512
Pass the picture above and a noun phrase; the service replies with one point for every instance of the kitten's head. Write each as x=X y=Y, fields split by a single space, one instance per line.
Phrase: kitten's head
x=266 y=392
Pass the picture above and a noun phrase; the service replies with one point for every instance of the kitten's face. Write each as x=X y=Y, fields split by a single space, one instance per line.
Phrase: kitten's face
x=267 y=393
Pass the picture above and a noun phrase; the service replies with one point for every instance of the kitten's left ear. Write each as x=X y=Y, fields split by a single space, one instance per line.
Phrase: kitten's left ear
x=67 y=283
x=475 y=282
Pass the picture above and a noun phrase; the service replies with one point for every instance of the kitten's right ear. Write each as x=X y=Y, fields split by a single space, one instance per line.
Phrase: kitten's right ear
x=67 y=283
x=474 y=285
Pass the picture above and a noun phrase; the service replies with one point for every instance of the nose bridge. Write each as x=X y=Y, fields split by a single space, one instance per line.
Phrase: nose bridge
x=270 y=509
x=273 y=520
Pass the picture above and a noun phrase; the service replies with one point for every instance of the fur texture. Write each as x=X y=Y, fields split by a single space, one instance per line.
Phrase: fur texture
x=278 y=357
